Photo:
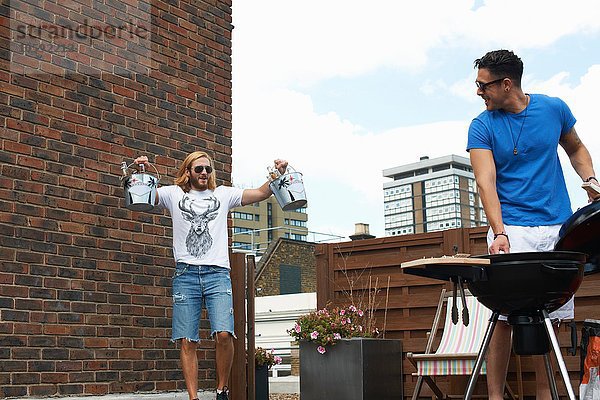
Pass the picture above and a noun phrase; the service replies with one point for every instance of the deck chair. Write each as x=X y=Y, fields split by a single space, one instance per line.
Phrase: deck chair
x=458 y=348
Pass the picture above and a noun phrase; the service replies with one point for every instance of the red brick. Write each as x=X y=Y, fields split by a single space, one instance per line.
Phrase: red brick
x=65 y=134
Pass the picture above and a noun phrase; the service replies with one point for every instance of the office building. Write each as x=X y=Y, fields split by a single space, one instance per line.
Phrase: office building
x=256 y=225
x=431 y=195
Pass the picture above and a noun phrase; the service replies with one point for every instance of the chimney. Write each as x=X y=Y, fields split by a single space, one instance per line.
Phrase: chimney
x=361 y=231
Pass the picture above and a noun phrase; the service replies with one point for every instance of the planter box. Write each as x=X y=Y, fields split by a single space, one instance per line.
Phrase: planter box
x=353 y=369
x=261 y=383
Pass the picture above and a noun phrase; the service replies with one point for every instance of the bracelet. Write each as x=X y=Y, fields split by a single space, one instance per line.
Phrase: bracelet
x=501 y=234
x=590 y=178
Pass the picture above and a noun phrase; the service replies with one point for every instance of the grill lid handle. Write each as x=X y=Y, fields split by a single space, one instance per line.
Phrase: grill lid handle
x=552 y=269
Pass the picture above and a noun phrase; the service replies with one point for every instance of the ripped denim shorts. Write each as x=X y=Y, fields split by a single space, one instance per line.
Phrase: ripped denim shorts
x=197 y=285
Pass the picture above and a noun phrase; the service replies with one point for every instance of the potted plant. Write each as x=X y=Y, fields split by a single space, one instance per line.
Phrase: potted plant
x=263 y=361
x=341 y=356
x=325 y=328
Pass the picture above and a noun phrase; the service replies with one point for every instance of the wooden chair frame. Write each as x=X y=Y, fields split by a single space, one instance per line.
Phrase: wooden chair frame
x=429 y=354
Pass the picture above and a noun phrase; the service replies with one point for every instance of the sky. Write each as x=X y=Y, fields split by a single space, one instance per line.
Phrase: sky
x=344 y=89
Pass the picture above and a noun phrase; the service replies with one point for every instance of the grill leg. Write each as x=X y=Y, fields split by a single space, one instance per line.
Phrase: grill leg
x=551 y=378
x=557 y=353
x=481 y=356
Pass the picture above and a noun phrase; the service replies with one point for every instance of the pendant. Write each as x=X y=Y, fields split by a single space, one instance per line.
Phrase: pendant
x=515 y=151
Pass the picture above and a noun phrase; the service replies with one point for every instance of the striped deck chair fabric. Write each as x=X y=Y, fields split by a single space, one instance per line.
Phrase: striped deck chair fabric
x=458 y=340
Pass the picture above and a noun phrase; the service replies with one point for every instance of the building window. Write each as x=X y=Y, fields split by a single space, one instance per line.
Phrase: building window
x=241 y=246
x=290 y=279
x=295 y=236
x=295 y=222
x=243 y=215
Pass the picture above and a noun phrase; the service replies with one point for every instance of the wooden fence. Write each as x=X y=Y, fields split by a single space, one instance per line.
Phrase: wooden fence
x=405 y=304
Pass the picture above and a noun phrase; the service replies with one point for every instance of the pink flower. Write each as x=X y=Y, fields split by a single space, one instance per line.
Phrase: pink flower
x=278 y=360
x=343 y=322
x=349 y=321
x=337 y=336
x=360 y=313
x=314 y=335
x=342 y=312
x=352 y=308
x=321 y=349
x=297 y=328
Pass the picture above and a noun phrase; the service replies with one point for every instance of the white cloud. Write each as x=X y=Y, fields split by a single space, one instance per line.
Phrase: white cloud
x=291 y=42
x=332 y=153
x=338 y=156
x=279 y=46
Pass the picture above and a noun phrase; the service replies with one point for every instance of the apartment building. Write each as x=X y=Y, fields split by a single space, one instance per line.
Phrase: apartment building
x=431 y=195
x=256 y=225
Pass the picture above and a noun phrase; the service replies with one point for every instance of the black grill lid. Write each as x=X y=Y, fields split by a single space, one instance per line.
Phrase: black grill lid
x=581 y=233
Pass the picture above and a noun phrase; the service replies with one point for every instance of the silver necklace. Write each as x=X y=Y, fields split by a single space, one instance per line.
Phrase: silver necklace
x=515 y=143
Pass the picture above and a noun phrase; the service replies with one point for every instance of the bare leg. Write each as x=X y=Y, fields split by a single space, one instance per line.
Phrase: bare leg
x=542 y=386
x=189 y=364
x=497 y=360
x=224 y=354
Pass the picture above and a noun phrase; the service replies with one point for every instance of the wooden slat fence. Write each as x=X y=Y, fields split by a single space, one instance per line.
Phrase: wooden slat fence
x=351 y=269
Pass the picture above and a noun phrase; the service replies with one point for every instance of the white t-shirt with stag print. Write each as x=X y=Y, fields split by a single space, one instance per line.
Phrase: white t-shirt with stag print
x=200 y=223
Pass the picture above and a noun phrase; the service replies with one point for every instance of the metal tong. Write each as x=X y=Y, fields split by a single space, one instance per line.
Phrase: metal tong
x=459 y=285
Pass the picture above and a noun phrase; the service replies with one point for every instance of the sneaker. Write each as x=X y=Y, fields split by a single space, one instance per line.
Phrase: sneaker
x=224 y=395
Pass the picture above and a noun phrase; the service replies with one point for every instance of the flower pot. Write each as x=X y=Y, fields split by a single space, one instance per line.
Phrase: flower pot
x=261 y=383
x=353 y=369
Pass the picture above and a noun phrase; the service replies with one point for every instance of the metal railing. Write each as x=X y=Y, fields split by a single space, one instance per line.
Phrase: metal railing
x=311 y=236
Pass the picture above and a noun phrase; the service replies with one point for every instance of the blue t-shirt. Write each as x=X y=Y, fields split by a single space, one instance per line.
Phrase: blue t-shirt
x=530 y=185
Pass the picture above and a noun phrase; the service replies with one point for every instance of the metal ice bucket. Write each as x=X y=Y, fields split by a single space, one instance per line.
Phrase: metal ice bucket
x=140 y=187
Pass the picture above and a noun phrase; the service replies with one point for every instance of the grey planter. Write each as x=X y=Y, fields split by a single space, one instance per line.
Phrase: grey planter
x=353 y=369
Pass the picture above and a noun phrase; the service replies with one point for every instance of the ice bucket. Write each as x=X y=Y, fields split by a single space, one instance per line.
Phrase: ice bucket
x=140 y=187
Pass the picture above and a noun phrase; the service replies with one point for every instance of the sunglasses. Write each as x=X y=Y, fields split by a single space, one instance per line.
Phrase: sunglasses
x=483 y=86
x=199 y=168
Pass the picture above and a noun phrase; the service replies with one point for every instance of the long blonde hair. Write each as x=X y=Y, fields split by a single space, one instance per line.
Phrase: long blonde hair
x=183 y=181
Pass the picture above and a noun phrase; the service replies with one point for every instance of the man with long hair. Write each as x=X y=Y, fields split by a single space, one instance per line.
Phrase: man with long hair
x=198 y=209
x=513 y=149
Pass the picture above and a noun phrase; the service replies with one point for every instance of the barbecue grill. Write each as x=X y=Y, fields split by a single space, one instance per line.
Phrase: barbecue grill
x=526 y=287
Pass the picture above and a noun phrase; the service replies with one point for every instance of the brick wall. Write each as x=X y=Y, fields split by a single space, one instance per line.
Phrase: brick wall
x=289 y=252
x=84 y=282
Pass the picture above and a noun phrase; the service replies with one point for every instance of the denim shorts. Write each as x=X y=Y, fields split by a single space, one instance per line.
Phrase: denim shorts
x=193 y=287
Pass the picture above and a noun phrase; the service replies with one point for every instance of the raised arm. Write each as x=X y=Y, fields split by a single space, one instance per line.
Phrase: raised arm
x=261 y=193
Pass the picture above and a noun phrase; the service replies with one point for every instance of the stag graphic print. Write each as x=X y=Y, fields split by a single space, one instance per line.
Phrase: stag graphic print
x=199 y=240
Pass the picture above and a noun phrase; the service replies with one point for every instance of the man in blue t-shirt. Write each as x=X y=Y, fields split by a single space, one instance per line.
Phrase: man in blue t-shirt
x=513 y=150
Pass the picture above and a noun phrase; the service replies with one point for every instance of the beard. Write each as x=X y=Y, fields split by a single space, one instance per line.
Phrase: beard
x=199 y=184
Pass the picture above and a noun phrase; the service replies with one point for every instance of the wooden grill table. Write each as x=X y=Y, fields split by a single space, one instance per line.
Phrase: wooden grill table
x=524 y=286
